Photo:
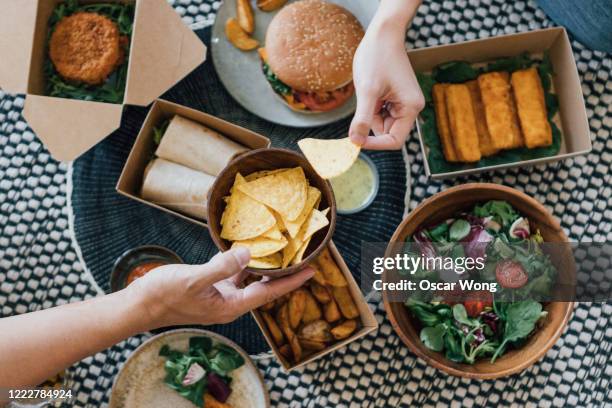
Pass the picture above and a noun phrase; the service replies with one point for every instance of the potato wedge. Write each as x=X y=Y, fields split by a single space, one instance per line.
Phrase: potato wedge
x=321 y=293
x=267 y=306
x=275 y=331
x=283 y=321
x=297 y=303
x=312 y=311
x=343 y=330
x=281 y=300
x=245 y=16
x=312 y=345
x=319 y=331
x=270 y=5
x=318 y=275
x=238 y=37
x=345 y=302
x=285 y=351
x=331 y=311
x=331 y=272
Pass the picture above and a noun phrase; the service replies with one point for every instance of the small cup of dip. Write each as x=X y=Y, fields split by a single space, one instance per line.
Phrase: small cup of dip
x=137 y=262
x=356 y=189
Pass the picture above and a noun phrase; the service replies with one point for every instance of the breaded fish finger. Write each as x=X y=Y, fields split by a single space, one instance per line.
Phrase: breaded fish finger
x=462 y=122
x=499 y=109
x=484 y=137
x=442 y=124
x=529 y=96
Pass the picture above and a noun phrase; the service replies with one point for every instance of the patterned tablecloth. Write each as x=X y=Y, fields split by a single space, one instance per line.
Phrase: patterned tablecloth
x=40 y=268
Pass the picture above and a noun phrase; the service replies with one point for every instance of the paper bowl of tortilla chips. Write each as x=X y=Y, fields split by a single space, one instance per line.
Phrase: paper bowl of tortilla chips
x=274 y=203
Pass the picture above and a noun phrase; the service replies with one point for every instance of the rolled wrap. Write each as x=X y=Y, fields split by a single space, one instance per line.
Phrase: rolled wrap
x=177 y=187
x=196 y=146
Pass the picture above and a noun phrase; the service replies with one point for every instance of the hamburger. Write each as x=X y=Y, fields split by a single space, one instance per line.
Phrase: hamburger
x=308 y=57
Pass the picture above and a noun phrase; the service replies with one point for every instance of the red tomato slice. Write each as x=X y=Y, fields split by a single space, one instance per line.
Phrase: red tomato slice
x=511 y=274
x=477 y=302
x=331 y=101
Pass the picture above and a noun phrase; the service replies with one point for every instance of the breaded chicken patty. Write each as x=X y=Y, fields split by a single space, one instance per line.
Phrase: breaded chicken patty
x=86 y=47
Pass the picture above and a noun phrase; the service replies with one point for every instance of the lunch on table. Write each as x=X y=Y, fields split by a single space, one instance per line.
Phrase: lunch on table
x=273 y=213
x=482 y=115
x=88 y=51
x=314 y=317
x=188 y=157
x=482 y=325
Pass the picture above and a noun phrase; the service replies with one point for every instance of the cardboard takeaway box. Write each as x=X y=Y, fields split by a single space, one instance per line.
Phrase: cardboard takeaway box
x=130 y=180
x=368 y=320
x=572 y=116
x=163 y=50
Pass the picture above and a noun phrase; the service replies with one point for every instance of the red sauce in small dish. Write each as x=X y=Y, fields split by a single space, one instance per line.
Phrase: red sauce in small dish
x=141 y=270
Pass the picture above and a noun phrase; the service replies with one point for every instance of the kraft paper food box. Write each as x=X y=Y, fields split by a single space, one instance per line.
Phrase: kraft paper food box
x=163 y=50
x=571 y=118
x=367 y=318
x=130 y=181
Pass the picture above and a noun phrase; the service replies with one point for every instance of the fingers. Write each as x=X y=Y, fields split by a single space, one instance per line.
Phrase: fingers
x=259 y=293
x=224 y=265
x=396 y=129
x=364 y=116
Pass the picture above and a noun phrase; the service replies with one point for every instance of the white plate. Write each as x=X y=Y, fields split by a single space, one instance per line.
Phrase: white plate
x=140 y=382
x=241 y=74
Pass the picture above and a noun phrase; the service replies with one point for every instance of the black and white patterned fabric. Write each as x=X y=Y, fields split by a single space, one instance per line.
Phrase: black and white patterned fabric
x=40 y=267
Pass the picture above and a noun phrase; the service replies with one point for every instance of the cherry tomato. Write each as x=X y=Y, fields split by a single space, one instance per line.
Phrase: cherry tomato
x=477 y=301
x=511 y=274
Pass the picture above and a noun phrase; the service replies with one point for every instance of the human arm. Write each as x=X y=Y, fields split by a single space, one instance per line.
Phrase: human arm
x=38 y=345
x=383 y=77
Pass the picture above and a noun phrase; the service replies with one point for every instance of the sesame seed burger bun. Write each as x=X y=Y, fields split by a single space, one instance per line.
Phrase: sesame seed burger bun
x=311 y=44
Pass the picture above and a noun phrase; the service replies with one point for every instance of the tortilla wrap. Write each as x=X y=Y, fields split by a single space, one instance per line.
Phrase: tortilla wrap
x=195 y=146
x=177 y=187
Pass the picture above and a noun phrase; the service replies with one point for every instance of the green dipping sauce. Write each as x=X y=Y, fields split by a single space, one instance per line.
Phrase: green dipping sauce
x=355 y=187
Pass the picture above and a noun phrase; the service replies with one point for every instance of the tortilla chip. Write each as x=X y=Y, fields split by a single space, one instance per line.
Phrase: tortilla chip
x=316 y=221
x=330 y=158
x=274 y=233
x=284 y=192
x=261 y=246
x=262 y=173
x=300 y=253
x=243 y=217
x=267 y=262
x=279 y=221
x=313 y=197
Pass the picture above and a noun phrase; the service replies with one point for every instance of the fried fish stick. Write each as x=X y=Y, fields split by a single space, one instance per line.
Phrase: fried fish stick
x=500 y=113
x=462 y=122
x=442 y=122
x=529 y=96
x=484 y=137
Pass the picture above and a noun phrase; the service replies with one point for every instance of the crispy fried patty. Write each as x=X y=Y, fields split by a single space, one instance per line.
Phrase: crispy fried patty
x=85 y=47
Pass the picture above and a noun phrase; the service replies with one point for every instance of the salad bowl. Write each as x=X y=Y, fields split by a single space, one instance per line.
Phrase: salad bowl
x=543 y=332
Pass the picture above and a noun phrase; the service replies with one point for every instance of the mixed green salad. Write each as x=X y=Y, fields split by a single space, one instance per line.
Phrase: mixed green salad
x=461 y=71
x=112 y=91
x=203 y=369
x=483 y=324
